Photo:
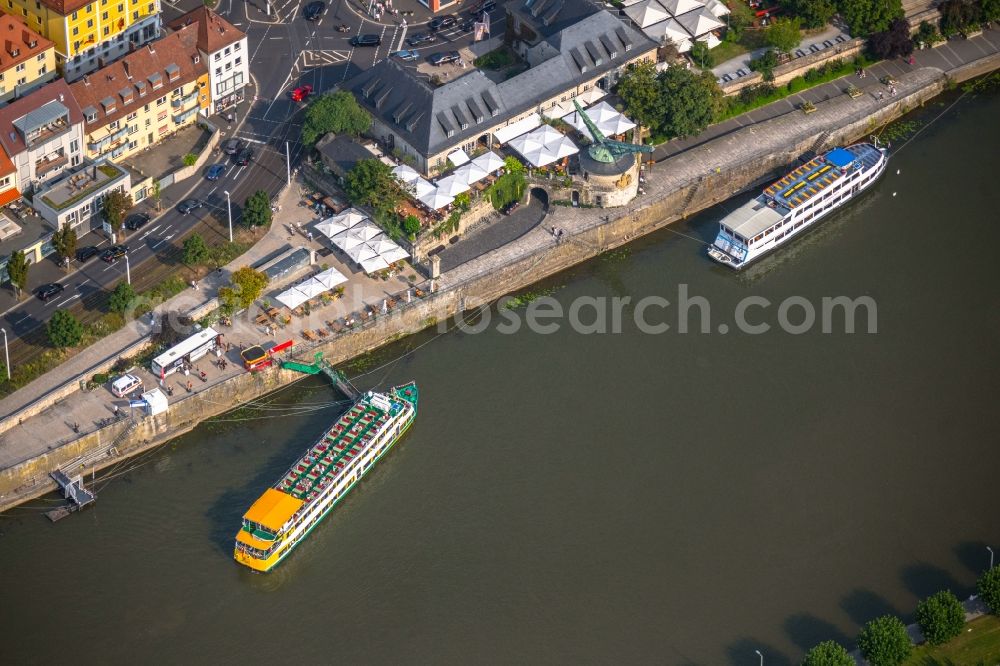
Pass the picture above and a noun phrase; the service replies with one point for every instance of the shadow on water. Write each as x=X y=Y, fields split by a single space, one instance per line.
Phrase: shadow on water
x=924 y=579
x=807 y=630
x=225 y=512
x=864 y=605
x=742 y=653
x=974 y=556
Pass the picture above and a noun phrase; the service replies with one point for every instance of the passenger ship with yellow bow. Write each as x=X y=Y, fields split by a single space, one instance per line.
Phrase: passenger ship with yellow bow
x=796 y=202
x=316 y=482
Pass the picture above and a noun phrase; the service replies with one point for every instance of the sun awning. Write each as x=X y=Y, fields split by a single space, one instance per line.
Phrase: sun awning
x=330 y=278
x=273 y=509
x=458 y=158
x=505 y=134
x=10 y=195
x=488 y=162
x=292 y=298
x=436 y=199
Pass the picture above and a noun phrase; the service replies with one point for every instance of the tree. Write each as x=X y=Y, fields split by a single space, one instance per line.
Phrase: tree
x=828 y=653
x=371 y=183
x=512 y=165
x=700 y=54
x=892 y=43
x=64 y=330
x=884 y=641
x=155 y=194
x=740 y=18
x=195 y=250
x=941 y=617
x=121 y=298
x=988 y=586
x=64 y=242
x=863 y=17
x=991 y=10
x=247 y=285
x=338 y=112
x=411 y=225
x=640 y=91
x=257 y=210
x=814 y=13
x=958 y=16
x=114 y=206
x=688 y=101
x=765 y=64
x=17 y=271
x=928 y=34
x=784 y=33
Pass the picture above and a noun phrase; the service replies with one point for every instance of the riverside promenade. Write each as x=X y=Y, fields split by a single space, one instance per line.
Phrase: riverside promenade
x=697 y=165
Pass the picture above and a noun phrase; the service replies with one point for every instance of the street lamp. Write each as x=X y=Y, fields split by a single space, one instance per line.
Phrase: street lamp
x=761 y=657
x=128 y=271
x=229 y=211
x=8 y=377
x=6 y=359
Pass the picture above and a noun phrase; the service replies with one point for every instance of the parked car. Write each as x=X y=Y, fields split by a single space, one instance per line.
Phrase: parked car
x=232 y=146
x=86 y=252
x=486 y=6
x=302 y=93
x=126 y=384
x=442 y=22
x=215 y=172
x=406 y=55
x=136 y=221
x=420 y=38
x=189 y=205
x=510 y=208
x=468 y=25
x=444 y=57
x=114 y=253
x=366 y=40
x=49 y=291
x=314 y=10
x=245 y=156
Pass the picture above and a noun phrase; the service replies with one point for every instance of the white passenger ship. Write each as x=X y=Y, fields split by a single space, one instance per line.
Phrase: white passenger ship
x=796 y=202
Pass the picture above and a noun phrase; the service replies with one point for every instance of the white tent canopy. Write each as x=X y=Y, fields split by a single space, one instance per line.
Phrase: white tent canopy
x=405 y=174
x=373 y=264
x=469 y=173
x=488 y=162
x=452 y=185
x=330 y=278
x=436 y=199
x=607 y=119
x=361 y=252
x=421 y=188
x=458 y=158
x=677 y=7
x=543 y=146
x=395 y=254
x=670 y=31
x=343 y=221
x=292 y=298
x=505 y=134
x=699 y=22
x=646 y=13
x=365 y=231
x=717 y=7
x=312 y=287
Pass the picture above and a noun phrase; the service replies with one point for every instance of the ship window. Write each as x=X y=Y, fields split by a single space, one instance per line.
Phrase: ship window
x=769 y=231
x=758 y=237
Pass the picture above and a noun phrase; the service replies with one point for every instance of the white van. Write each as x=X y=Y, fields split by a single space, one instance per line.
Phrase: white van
x=125 y=384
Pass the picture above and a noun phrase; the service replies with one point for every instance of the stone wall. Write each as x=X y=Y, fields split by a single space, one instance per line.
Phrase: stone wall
x=797 y=67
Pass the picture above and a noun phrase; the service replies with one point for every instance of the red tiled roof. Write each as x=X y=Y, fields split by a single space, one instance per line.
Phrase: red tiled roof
x=136 y=68
x=214 y=32
x=15 y=34
x=9 y=195
x=65 y=7
x=56 y=90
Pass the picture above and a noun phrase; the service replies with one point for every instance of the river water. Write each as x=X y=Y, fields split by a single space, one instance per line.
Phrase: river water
x=607 y=498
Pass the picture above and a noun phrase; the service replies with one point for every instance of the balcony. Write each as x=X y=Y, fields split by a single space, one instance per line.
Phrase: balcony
x=98 y=146
x=46 y=166
x=119 y=134
x=180 y=102
x=184 y=117
x=86 y=183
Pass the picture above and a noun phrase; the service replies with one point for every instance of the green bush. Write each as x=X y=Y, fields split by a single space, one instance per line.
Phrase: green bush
x=797 y=84
x=64 y=330
x=99 y=379
x=941 y=617
x=828 y=653
x=988 y=586
x=884 y=641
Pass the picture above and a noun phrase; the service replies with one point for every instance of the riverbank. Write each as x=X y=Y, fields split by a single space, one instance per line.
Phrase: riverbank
x=677 y=187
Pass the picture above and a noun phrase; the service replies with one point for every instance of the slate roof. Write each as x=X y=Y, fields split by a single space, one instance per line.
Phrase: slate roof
x=341 y=153
x=549 y=17
x=424 y=115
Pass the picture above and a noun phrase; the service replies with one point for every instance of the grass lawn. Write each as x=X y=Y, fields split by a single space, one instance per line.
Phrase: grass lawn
x=726 y=51
x=979 y=645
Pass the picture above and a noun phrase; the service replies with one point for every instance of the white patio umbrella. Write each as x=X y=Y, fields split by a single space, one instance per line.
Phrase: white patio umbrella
x=330 y=278
x=311 y=287
x=376 y=263
x=670 y=31
x=406 y=174
x=345 y=241
x=458 y=158
x=470 y=173
x=420 y=188
x=362 y=252
x=488 y=162
x=365 y=231
x=435 y=200
x=332 y=226
x=292 y=298
x=453 y=185
x=395 y=254
x=382 y=244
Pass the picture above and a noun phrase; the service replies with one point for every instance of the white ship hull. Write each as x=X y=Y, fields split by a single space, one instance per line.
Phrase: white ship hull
x=796 y=203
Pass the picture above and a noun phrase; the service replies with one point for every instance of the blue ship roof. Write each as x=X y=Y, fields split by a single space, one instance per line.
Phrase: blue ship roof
x=840 y=157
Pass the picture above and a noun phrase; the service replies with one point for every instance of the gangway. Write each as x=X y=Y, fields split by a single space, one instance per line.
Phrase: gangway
x=319 y=365
x=73 y=490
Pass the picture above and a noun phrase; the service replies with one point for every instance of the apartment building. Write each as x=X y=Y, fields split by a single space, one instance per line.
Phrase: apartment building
x=89 y=34
x=27 y=60
x=145 y=96
x=224 y=48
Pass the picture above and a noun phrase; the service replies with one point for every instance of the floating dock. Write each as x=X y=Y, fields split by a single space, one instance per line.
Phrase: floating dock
x=73 y=490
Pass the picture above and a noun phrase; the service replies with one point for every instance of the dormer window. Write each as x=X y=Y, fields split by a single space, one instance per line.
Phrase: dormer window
x=173 y=72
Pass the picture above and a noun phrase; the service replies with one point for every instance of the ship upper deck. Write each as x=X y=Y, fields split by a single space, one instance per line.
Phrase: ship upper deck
x=805 y=182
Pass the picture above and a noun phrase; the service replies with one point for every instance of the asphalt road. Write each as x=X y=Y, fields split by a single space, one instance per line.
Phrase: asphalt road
x=286 y=51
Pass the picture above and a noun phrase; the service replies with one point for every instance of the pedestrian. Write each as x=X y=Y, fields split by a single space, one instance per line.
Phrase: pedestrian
x=310 y=236
x=189 y=386
x=116 y=410
x=76 y=427
x=881 y=95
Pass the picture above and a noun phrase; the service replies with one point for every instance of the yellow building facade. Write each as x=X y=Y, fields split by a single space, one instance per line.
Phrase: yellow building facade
x=27 y=59
x=88 y=34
